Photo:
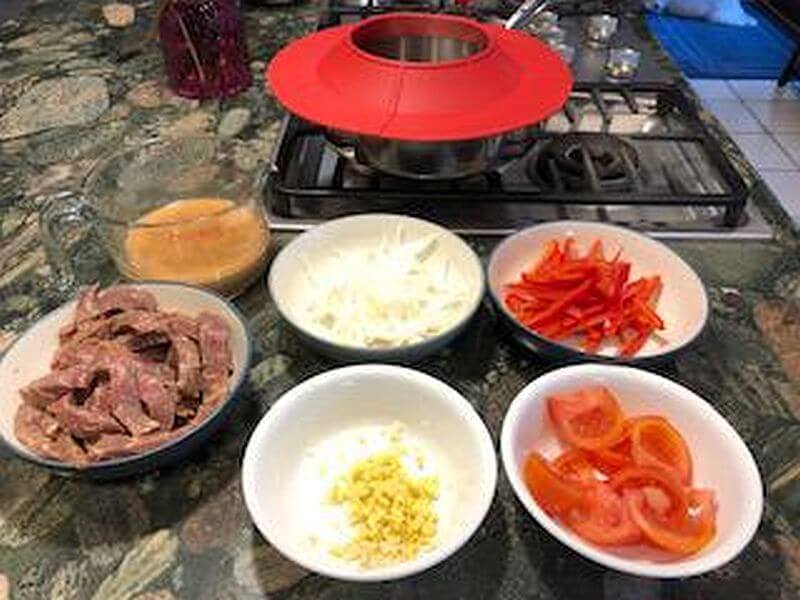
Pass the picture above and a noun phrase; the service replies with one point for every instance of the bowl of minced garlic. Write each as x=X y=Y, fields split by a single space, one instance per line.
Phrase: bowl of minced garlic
x=392 y=513
x=369 y=473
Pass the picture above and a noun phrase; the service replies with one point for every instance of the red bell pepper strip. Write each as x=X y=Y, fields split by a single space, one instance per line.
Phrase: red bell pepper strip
x=565 y=301
x=566 y=295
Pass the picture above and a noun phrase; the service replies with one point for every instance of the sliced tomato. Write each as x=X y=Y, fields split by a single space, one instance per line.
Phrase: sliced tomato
x=573 y=464
x=673 y=504
x=657 y=500
x=608 y=520
x=555 y=494
x=589 y=418
x=656 y=443
x=696 y=531
x=610 y=460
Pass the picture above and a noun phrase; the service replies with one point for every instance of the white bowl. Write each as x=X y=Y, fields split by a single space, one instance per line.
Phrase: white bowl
x=289 y=507
x=720 y=461
x=290 y=284
x=18 y=369
x=682 y=303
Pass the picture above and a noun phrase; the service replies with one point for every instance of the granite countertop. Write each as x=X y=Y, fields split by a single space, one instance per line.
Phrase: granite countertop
x=184 y=532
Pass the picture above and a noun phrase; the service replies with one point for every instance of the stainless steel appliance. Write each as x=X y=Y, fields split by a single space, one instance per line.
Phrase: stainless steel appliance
x=633 y=153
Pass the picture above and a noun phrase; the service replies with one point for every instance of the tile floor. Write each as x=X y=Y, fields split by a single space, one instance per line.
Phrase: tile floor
x=765 y=121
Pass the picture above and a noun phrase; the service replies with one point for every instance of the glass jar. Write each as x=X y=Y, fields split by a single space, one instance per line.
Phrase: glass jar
x=204 y=48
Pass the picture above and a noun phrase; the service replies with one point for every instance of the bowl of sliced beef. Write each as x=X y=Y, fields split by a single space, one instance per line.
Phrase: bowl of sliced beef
x=123 y=380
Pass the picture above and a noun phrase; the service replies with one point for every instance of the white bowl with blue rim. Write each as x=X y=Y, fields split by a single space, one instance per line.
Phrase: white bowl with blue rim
x=291 y=280
x=285 y=487
x=721 y=462
x=682 y=302
x=29 y=358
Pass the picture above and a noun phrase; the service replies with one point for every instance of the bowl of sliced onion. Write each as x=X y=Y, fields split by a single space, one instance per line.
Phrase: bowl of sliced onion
x=377 y=287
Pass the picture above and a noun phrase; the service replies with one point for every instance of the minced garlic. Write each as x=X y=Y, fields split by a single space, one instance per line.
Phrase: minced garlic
x=391 y=512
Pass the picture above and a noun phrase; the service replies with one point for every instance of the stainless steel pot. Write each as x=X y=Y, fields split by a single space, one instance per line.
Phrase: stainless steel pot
x=433 y=160
x=428 y=160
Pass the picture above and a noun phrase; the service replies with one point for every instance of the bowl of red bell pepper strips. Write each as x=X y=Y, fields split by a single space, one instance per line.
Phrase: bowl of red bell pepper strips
x=572 y=289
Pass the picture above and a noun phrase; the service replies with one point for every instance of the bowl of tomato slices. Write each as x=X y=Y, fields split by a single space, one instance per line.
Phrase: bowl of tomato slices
x=631 y=470
x=581 y=290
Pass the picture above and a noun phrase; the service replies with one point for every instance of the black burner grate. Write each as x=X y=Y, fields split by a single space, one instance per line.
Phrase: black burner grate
x=685 y=166
x=595 y=161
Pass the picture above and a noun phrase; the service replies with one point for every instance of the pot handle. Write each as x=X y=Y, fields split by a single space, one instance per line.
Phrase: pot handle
x=65 y=218
x=343 y=145
x=518 y=147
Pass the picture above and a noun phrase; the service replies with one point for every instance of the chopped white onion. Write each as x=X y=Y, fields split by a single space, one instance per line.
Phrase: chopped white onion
x=395 y=294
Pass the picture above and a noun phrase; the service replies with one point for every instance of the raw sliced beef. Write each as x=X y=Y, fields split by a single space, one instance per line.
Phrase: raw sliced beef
x=93 y=304
x=100 y=398
x=143 y=341
x=185 y=357
x=49 y=388
x=215 y=390
x=119 y=299
x=125 y=379
x=88 y=304
x=159 y=399
x=176 y=324
x=84 y=353
x=115 y=445
x=81 y=422
x=46 y=423
x=162 y=370
x=87 y=308
x=101 y=329
x=124 y=399
x=29 y=427
x=137 y=321
x=157 y=355
x=214 y=348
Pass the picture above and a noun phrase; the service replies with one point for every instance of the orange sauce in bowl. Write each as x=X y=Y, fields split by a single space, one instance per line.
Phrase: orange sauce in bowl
x=211 y=242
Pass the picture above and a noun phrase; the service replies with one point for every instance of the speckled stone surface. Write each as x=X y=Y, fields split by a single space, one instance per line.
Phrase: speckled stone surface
x=184 y=532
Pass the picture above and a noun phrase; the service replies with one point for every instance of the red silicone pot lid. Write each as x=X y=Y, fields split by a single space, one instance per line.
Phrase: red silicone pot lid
x=338 y=78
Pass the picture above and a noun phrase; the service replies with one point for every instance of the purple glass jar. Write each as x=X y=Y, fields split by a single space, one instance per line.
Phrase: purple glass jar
x=204 y=48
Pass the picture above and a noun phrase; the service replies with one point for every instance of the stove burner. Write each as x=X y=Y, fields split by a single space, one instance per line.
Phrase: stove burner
x=585 y=162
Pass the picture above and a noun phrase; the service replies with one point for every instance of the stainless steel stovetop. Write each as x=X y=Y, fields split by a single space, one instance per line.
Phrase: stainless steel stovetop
x=634 y=154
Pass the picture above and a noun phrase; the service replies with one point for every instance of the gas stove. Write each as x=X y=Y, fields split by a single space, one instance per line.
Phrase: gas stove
x=633 y=153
